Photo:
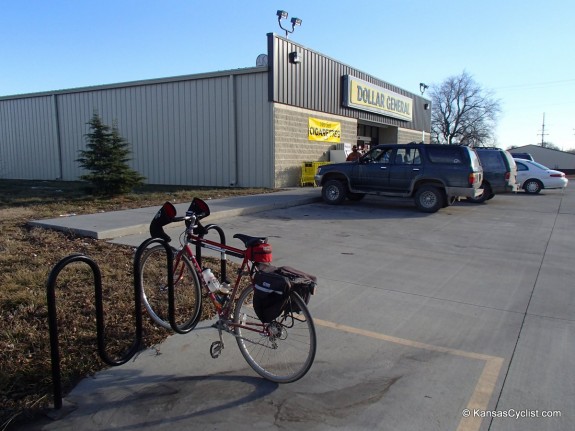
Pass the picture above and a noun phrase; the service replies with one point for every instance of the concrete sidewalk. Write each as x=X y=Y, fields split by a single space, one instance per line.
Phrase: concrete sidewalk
x=116 y=224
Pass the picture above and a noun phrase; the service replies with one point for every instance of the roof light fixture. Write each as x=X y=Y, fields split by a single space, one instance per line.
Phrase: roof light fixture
x=423 y=87
x=282 y=14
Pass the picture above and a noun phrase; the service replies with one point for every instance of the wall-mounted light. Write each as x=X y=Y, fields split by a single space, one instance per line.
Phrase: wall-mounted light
x=423 y=87
x=426 y=106
x=282 y=14
x=295 y=57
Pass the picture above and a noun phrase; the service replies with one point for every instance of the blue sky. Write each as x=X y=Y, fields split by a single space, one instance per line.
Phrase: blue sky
x=522 y=51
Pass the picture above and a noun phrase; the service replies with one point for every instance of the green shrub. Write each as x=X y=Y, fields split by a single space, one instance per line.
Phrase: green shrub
x=106 y=158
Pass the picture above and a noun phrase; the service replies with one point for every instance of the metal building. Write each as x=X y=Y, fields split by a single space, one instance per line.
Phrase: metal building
x=246 y=127
x=553 y=159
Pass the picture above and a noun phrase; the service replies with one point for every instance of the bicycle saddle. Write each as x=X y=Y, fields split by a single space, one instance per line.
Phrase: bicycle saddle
x=250 y=241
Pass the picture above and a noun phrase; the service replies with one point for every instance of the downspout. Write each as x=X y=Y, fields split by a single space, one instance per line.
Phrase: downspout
x=57 y=137
x=234 y=133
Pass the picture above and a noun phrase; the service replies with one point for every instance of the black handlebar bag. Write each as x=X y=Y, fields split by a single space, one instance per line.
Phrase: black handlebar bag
x=271 y=291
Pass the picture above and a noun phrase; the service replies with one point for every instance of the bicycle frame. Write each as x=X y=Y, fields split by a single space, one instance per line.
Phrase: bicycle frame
x=247 y=267
x=266 y=347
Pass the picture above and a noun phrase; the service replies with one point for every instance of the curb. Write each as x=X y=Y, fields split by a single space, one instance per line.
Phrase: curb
x=105 y=226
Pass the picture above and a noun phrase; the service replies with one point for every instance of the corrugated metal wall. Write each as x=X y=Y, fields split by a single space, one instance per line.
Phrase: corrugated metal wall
x=28 y=139
x=316 y=84
x=205 y=130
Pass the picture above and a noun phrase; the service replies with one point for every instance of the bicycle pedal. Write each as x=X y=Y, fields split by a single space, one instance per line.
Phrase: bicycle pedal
x=216 y=349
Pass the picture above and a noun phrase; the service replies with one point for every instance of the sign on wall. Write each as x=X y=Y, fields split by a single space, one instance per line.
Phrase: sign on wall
x=360 y=94
x=324 y=131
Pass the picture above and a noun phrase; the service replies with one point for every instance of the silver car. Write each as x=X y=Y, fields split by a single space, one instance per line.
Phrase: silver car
x=534 y=177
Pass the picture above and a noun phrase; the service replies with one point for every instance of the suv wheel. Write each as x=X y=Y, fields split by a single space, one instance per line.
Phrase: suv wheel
x=532 y=186
x=333 y=192
x=487 y=194
x=428 y=199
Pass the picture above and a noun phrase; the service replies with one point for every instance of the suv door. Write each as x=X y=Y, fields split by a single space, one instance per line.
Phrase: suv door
x=405 y=168
x=372 y=171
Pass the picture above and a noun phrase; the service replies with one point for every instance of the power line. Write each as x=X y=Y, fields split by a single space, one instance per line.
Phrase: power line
x=535 y=84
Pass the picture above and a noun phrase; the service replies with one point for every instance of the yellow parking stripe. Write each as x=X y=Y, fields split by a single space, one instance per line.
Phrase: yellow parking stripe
x=485 y=384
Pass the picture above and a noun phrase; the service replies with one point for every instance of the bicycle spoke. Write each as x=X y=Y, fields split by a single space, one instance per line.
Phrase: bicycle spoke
x=187 y=292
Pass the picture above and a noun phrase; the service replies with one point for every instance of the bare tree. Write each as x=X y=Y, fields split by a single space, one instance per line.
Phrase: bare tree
x=463 y=112
x=549 y=145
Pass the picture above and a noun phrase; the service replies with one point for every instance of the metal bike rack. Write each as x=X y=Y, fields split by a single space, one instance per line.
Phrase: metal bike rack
x=170 y=265
x=223 y=259
x=53 y=321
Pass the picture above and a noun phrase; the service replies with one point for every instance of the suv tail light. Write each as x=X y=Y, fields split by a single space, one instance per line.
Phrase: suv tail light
x=507 y=176
x=473 y=178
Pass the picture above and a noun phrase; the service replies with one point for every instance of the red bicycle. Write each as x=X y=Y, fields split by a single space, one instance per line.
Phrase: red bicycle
x=280 y=347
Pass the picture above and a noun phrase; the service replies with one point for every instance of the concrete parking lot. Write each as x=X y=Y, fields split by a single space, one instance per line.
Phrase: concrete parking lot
x=459 y=320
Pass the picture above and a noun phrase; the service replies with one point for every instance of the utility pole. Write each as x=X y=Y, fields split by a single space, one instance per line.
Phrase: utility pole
x=543 y=134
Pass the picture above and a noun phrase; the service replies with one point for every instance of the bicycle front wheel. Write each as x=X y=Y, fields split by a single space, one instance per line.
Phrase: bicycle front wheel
x=154 y=286
x=282 y=351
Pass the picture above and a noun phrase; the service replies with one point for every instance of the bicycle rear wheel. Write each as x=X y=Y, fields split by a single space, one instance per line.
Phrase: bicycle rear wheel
x=154 y=286
x=285 y=351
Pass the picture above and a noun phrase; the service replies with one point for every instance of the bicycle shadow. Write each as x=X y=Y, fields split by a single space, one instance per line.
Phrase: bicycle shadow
x=148 y=402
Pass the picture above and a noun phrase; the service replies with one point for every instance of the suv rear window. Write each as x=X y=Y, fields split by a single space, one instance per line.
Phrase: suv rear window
x=451 y=155
x=492 y=161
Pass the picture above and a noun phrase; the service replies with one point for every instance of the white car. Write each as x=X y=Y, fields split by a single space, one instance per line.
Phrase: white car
x=533 y=177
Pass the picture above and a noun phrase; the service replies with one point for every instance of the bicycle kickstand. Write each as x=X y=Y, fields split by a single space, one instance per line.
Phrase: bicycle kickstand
x=217 y=346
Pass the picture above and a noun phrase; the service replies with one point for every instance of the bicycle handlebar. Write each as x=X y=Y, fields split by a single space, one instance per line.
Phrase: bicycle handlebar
x=167 y=214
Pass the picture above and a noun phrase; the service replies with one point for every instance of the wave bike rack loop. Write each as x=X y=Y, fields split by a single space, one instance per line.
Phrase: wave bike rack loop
x=200 y=245
x=100 y=324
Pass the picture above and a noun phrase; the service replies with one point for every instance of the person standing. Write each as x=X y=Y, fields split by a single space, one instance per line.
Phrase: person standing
x=354 y=155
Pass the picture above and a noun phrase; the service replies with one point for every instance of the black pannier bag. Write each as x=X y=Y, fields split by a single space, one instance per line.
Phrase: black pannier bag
x=272 y=287
x=302 y=283
x=270 y=294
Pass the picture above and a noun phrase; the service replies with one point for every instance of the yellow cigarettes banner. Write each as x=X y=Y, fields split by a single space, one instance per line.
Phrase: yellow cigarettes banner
x=324 y=131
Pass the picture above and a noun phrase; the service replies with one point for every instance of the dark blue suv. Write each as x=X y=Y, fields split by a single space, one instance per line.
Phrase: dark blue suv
x=433 y=176
x=499 y=173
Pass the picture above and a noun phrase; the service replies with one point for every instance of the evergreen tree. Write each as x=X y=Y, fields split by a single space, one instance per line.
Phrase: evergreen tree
x=106 y=159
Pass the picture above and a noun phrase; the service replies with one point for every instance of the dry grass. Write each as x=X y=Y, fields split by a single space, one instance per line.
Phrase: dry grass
x=27 y=255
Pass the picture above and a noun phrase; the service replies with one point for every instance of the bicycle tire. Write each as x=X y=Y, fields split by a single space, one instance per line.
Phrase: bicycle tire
x=282 y=359
x=154 y=288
